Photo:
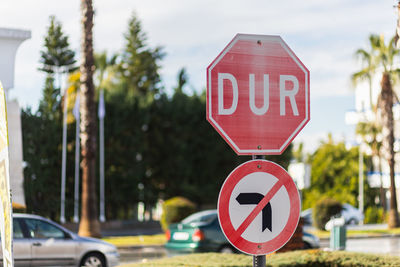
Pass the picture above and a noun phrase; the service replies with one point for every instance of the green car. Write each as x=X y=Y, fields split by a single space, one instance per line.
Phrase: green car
x=200 y=232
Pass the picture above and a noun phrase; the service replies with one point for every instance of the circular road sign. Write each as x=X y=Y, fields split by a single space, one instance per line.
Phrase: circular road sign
x=258 y=207
x=258 y=96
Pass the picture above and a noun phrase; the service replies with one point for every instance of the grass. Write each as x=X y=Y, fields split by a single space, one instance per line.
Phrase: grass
x=197 y=260
x=296 y=259
x=142 y=240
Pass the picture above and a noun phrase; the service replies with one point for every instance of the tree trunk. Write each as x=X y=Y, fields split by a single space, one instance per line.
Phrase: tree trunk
x=382 y=190
x=388 y=144
x=382 y=196
x=89 y=224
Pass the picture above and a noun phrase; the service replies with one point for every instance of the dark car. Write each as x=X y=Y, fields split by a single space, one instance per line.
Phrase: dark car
x=201 y=232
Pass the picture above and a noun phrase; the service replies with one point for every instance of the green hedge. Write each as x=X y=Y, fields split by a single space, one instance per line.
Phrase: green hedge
x=175 y=210
x=305 y=258
x=374 y=215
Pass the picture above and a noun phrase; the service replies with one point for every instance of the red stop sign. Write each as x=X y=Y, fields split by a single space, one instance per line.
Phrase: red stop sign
x=258 y=95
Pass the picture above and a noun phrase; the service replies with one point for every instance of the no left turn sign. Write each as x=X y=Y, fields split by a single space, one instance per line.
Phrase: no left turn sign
x=258 y=207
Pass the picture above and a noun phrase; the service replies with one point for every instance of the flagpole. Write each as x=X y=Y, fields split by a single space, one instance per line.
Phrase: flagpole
x=77 y=158
x=64 y=158
x=101 y=114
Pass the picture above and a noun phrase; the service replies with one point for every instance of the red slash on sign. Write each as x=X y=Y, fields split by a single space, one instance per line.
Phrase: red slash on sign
x=244 y=225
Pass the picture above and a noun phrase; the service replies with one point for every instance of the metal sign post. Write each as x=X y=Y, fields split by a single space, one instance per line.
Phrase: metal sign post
x=259 y=261
x=257 y=82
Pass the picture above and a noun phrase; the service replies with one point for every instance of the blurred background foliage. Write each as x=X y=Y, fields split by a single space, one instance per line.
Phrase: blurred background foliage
x=158 y=144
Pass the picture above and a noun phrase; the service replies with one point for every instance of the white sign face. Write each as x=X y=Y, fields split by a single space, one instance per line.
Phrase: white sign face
x=259 y=183
x=258 y=207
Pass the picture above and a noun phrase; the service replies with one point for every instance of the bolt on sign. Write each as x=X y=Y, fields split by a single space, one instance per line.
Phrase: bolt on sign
x=6 y=228
x=258 y=96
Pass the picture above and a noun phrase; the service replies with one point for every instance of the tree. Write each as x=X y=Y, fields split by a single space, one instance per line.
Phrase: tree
x=105 y=68
x=89 y=224
x=139 y=66
x=49 y=105
x=57 y=57
x=182 y=80
x=381 y=62
x=334 y=174
x=42 y=129
x=41 y=133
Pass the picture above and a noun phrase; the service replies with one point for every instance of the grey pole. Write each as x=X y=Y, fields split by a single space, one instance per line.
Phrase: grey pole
x=77 y=161
x=64 y=158
x=101 y=118
x=361 y=181
x=259 y=261
x=102 y=213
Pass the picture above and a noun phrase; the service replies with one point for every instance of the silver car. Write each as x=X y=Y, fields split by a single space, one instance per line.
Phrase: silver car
x=41 y=242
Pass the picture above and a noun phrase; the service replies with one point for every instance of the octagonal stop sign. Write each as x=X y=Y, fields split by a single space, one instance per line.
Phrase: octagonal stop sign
x=258 y=95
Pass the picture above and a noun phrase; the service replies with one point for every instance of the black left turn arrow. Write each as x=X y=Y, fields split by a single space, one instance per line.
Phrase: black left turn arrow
x=254 y=199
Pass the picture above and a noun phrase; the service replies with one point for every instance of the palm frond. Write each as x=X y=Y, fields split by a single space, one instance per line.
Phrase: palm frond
x=362 y=54
x=360 y=76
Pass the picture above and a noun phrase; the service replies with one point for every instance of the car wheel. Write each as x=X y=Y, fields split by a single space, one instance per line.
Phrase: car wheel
x=93 y=260
x=353 y=221
x=226 y=249
x=306 y=245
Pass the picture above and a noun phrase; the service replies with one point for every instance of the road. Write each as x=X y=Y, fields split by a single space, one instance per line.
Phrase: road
x=141 y=254
x=381 y=245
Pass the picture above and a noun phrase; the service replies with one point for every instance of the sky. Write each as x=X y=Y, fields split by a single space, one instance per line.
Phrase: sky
x=323 y=34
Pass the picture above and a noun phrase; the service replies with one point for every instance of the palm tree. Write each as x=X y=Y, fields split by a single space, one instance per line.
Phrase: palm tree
x=105 y=68
x=89 y=224
x=380 y=60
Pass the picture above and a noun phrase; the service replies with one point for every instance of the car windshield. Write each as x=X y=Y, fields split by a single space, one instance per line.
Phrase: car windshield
x=204 y=216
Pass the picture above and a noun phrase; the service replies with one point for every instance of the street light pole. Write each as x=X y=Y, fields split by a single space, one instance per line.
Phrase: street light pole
x=64 y=151
x=361 y=181
x=101 y=114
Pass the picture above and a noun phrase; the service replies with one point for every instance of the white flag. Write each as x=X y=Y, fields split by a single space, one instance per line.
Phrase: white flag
x=75 y=111
x=102 y=108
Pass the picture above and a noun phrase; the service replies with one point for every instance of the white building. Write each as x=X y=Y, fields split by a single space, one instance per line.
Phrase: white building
x=10 y=39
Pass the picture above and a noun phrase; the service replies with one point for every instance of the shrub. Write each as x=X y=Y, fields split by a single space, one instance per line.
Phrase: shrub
x=374 y=215
x=174 y=210
x=324 y=210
